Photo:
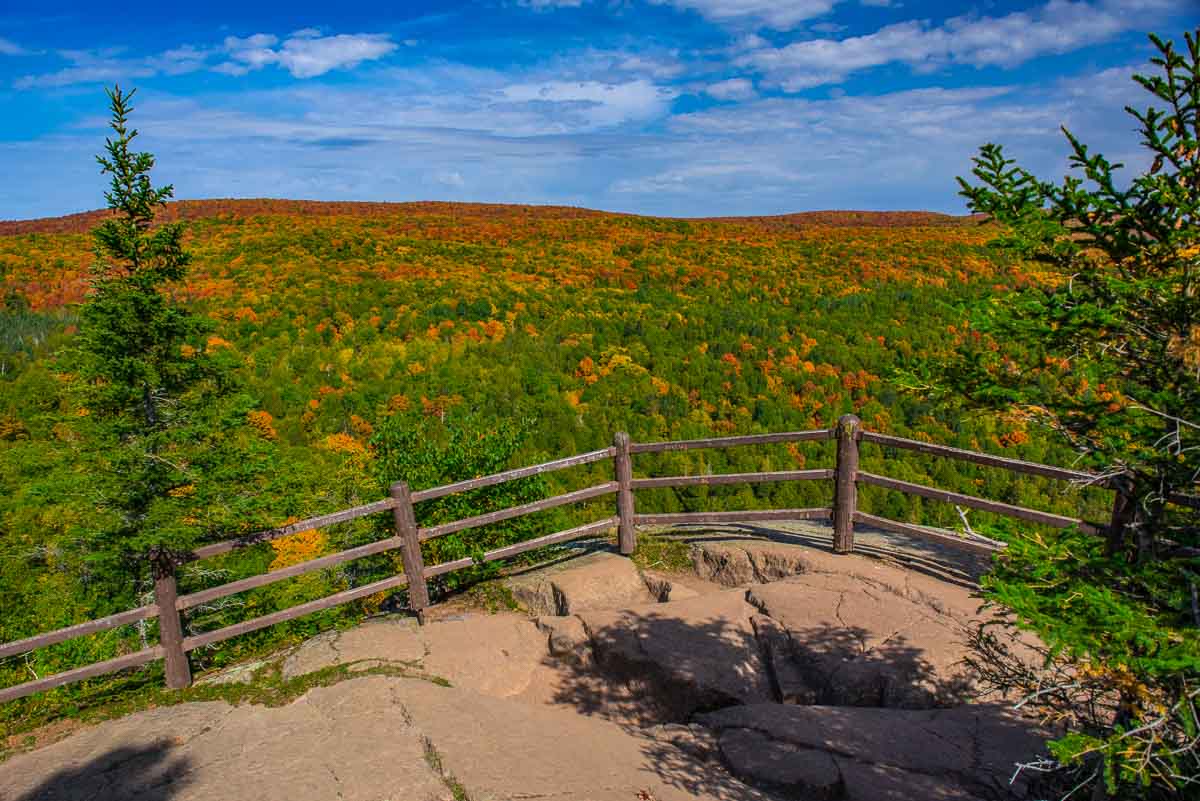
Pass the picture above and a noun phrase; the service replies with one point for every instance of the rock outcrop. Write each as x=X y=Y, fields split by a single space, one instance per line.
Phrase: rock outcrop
x=778 y=671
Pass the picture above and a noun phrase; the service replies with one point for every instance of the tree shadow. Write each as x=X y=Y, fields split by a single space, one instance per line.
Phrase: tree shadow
x=641 y=669
x=650 y=673
x=840 y=667
x=897 y=755
x=142 y=773
x=654 y=673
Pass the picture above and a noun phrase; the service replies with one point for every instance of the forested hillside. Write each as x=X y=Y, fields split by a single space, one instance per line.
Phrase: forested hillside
x=436 y=341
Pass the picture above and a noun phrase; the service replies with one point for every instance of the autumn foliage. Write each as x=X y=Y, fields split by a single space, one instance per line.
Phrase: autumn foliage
x=541 y=331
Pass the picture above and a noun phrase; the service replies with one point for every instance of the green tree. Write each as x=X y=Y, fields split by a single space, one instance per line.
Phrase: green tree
x=428 y=452
x=1105 y=352
x=168 y=453
x=132 y=328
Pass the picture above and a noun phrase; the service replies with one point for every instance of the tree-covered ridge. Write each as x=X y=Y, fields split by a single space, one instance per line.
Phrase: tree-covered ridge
x=187 y=210
x=546 y=331
x=806 y=311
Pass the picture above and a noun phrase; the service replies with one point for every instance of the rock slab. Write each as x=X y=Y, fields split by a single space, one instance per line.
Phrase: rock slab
x=856 y=645
x=392 y=639
x=350 y=741
x=958 y=753
x=599 y=580
x=372 y=738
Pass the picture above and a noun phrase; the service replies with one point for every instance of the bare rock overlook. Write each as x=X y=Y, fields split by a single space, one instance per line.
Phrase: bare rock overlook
x=773 y=670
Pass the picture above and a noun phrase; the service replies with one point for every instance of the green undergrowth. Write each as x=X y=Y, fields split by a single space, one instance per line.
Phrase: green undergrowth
x=492 y=597
x=654 y=551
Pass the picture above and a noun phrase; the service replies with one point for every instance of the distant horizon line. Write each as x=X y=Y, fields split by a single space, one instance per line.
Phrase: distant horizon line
x=183 y=202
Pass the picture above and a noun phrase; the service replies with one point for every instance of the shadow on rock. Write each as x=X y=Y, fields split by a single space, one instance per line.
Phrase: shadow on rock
x=842 y=667
x=968 y=752
x=645 y=668
x=146 y=773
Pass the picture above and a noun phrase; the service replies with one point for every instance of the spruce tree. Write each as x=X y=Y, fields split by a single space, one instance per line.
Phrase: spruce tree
x=1105 y=353
x=170 y=458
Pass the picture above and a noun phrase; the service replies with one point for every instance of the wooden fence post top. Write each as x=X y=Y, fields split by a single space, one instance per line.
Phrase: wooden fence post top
x=849 y=423
x=621 y=439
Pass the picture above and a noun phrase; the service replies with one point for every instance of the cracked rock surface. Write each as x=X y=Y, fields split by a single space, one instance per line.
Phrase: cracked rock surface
x=349 y=741
x=373 y=738
x=693 y=654
x=391 y=639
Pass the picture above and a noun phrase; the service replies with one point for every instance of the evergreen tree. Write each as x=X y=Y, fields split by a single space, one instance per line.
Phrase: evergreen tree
x=1106 y=353
x=170 y=455
x=132 y=329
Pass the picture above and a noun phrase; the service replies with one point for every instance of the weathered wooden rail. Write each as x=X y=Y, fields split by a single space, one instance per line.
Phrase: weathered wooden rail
x=168 y=607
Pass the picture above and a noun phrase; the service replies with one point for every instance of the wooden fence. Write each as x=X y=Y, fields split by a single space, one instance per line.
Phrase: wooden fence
x=168 y=605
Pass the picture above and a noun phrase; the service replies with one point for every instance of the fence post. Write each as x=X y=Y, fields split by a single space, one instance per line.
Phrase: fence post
x=170 y=628
x=410 y=549
x=845 y=488
x=623 y=464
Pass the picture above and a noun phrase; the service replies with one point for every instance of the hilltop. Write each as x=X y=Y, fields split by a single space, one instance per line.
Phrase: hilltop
x=203 y=209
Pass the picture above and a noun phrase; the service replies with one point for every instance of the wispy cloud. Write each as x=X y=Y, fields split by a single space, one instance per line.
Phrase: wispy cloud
x=731 y=89
x=11 y=48
x=778 y=14
x=794 y=152
x=1059 y=26
x=304 y=54
x=91 y=66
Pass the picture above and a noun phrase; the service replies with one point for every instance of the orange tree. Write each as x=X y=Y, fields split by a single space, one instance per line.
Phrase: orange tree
x=1106 y=354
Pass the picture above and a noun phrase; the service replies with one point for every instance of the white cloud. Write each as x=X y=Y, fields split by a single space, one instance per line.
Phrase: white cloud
x=1057 y=27
x=731 y=89
x=88 y=66
x=249 y=53
x=889 y=151
x=777 y=14
x=306 y=53
x=594 y=103
x=733 y=176
x=408 y=137
x=593 y=125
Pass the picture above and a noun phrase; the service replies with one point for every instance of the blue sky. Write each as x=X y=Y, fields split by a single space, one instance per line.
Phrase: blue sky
x=673 y=107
